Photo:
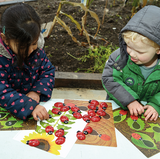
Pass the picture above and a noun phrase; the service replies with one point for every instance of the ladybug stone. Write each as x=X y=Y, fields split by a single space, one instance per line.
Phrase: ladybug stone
x=87 y=130
x=64 y=119
x=60 y=140
x=75 y=109
x=80 y=135
x=91 y=113
x=59 y=104
x=77 y=115
x=92 y=107
x=103 y=105
x=33 y=142
x=95 y=102
x=56 y=111
x=64 y=109
x=95 y=118
x=101 y=112
x=49 y=129
x=86 y=118
x=59 y=132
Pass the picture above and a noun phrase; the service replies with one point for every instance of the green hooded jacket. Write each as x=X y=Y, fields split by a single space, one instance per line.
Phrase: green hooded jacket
x=122 y=79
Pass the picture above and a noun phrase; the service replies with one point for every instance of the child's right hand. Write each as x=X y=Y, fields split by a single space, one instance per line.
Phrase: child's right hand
x=40 y=112
x=34 y=95
x=135 y=108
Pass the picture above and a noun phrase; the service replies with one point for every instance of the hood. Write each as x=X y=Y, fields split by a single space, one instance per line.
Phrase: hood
x=146 y=22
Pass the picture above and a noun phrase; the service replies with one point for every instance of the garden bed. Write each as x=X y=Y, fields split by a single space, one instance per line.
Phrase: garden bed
x=62 y=51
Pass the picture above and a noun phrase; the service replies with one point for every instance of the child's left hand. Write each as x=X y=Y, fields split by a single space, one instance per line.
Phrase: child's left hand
x=150 y=113
x=34 y=95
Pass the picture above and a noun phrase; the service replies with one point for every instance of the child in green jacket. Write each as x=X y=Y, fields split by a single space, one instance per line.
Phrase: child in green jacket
x=132 y=73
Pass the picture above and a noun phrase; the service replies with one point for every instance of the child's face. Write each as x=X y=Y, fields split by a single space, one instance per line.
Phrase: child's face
x=141 y=53
x=13 y=46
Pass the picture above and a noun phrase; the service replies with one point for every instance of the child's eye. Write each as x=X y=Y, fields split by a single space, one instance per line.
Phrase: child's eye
x=34 y=43
x=140 y=52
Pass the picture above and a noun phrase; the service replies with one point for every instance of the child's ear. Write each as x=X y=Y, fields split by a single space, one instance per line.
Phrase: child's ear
x=158 y=52
x=4 y=38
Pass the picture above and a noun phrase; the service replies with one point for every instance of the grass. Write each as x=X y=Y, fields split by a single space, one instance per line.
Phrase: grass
x=100 y=55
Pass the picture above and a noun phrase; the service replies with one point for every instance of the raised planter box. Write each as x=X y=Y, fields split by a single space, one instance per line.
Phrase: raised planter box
x=78 y=80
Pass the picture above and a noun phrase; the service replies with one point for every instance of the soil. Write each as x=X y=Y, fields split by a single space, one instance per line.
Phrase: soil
x=60 y=43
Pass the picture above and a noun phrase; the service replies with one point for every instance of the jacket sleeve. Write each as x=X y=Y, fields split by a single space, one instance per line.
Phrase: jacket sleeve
x=46 y=80
x=18 y=104
x=154 y=101
x=112 y=81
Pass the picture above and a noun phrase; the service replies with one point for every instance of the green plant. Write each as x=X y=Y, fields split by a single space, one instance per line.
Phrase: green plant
x=99 y=54
x=136 y=4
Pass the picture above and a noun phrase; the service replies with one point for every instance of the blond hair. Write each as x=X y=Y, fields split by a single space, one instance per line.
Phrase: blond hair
x=134 y=37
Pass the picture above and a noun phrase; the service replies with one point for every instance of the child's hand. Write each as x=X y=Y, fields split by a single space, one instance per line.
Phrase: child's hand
x=135 y=108
x=150 y=113
x=34 y=95
x=40 y=112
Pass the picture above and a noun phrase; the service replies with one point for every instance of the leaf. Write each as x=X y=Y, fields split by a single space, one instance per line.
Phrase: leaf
x=65 y=133
x=70 y=122
x=39 y=130
x=43 y=124
x=3 y=115
x=73 y=20
x=117 y=117
x=55 y=107
x=145 y=142
x=70 y=111
x=156 y=137
x=155 y=128
x=51 y=120
x=63 y=126
x=62 y=23
x=3 y=109
x=136 y=125
x=11 y=123
x=71 y=117
x=93 y=14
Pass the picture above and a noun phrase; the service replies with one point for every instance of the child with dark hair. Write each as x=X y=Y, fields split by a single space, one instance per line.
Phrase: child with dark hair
x=26 y=74
x=132 y=73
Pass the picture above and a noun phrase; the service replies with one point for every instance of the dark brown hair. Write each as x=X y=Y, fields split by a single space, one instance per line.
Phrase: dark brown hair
x=22 y=24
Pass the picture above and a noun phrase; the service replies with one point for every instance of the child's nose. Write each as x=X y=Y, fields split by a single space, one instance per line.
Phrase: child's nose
x=130 y=52
x=32 y=49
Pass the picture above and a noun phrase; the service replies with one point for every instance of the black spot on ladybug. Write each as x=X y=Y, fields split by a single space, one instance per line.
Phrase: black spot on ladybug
x=88 y=121
x=85 y=132
x=59 y=113
x=50 y=132
x=66 y=121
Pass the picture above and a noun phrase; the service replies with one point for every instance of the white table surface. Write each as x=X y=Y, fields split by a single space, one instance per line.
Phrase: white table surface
x=12 y=149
